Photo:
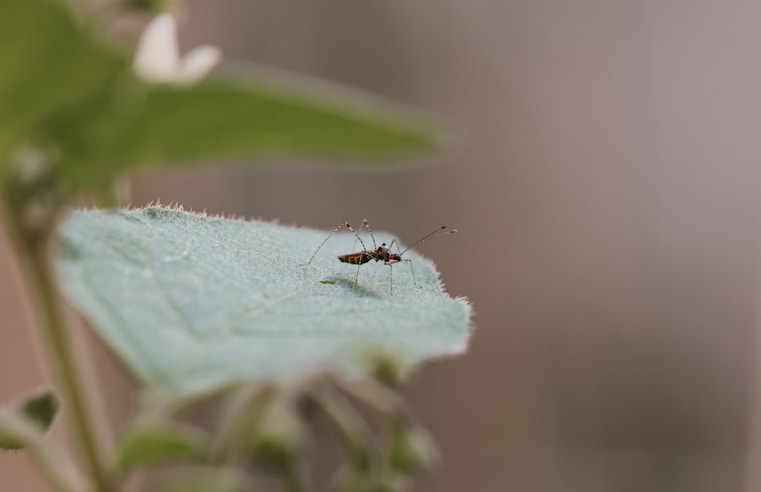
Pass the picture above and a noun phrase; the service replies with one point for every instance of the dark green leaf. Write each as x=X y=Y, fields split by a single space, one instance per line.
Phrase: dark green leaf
x=151 y=5
x=179 y=124
x=40 y=408
x=37 y=410
x=63 y=90
x=49 y=66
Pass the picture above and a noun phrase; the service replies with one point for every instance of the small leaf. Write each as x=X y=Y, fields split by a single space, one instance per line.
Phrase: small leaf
x=386 y=368
x=40 y=408
x=159 y=442
x=410 y=448
x=37 y=410
x=192 y=303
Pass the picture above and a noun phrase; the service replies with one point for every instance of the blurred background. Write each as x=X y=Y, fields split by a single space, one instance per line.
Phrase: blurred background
x=606 y=191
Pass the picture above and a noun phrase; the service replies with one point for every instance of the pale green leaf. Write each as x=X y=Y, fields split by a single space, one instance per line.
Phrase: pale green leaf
x=192 y=303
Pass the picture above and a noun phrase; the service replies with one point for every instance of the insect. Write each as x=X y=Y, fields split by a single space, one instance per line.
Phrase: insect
x=379 y=253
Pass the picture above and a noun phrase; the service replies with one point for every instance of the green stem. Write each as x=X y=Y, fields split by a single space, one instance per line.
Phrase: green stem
x=51 y=321
x=351 y=428
x=59 y=472
x=244 y=407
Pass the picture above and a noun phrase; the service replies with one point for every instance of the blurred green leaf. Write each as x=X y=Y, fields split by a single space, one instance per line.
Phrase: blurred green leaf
x=37 y=410
x=49 y=66
x=158 y=442
x=410 y=448
x=386 y=368
x=372 y=479
x=180 y=124
x=192 y=303
x=156 y=6
x=206 y=480
x=63 y=88
x=40 y=408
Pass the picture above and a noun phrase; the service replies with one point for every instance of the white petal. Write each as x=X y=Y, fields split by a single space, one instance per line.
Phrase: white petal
x=157 y=58
x=197 y=63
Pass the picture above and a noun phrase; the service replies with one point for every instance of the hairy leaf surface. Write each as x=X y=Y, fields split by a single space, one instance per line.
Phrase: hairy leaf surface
x=192 y=303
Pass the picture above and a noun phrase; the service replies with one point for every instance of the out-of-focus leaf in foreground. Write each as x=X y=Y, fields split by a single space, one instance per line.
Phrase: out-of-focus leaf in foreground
x=193 y=303
x=49 y=65
x=185 y=124
x=64 y=89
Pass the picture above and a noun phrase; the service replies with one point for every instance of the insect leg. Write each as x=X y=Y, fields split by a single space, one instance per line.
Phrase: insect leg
x=362 y=226
x=372 y=236
x=409 y=262
x=390 y=278
x=356 y=275
x=414 y=280
x=344 y=224
x=364 y=248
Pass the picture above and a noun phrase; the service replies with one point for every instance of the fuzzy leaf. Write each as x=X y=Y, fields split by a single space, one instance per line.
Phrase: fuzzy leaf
x=193 y=303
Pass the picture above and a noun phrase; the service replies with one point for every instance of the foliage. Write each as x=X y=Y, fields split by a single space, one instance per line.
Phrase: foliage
x=193 y=303
x=203 y=309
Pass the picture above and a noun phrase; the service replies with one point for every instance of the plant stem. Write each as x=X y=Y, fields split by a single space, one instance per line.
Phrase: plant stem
x=351 y=428
x=244 y=407
x=51 y=321
x=59 y=471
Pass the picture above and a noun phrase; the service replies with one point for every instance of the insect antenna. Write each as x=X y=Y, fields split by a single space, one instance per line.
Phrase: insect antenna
x=441 y=230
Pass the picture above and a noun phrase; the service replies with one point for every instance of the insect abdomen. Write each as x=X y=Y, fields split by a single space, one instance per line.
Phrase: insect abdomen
x=355 y=258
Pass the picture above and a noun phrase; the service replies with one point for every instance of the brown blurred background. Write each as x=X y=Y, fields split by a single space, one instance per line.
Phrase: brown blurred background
x=607 y=197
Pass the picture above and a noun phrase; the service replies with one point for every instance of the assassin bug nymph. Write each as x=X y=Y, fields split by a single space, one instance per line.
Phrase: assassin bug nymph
x=379 y=253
